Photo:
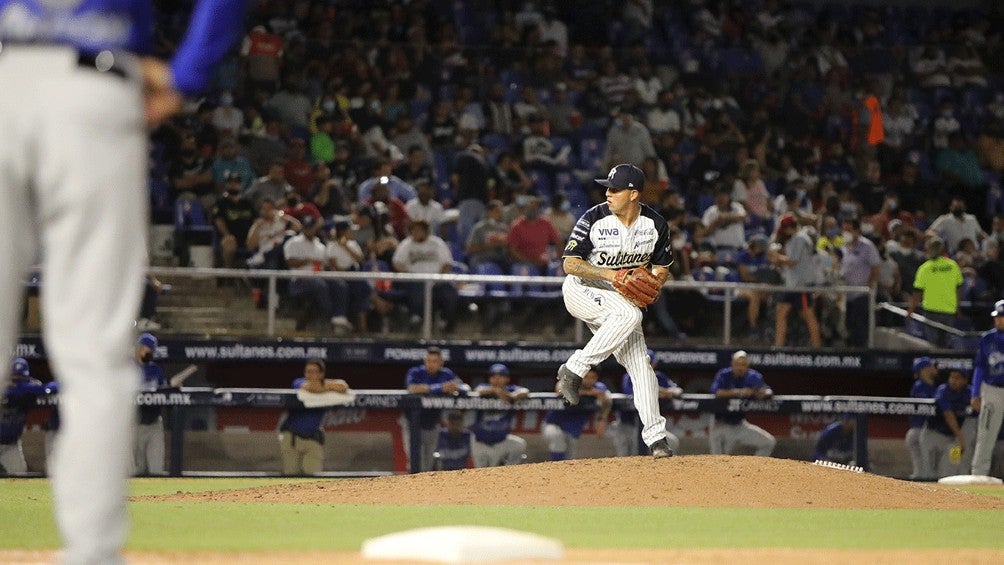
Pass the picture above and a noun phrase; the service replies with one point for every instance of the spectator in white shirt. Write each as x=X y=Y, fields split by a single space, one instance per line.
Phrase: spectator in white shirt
x=664 y=117
x=421 y=252
x=306 y=253
x=945 y=124
x=956 y=225
x=425 y=207
x=344 y=254
x=725 y=221
x=930 y=68
x=553 y=29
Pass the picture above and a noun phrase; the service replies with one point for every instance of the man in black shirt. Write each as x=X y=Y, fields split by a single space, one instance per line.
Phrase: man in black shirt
x=233 y=217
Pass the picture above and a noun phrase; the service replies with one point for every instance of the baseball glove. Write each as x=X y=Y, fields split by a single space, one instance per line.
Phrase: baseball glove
x=638 y=285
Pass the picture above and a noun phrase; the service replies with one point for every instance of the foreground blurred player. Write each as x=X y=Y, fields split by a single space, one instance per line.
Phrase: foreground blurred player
x=73 y=109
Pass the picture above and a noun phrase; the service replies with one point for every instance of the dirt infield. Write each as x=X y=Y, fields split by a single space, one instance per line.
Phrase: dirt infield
x=688 y=481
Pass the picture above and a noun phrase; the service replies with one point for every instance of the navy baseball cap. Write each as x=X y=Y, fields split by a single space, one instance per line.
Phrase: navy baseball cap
x=998 y=309
x=148 y=340
x=498 y=369
x=19 y=367
x=624 y=176
x=922 y=363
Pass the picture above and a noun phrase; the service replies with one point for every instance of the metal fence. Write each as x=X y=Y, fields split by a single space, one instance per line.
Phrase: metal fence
x=477 y=289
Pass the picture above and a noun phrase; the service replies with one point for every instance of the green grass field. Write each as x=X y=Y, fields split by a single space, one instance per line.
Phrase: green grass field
x=194 y=526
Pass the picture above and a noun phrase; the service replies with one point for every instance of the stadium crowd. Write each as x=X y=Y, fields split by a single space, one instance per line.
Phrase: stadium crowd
x=435 y=136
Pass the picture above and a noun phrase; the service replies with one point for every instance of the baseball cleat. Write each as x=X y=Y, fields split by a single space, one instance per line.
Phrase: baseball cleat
x=568 y=385
x=660 y=449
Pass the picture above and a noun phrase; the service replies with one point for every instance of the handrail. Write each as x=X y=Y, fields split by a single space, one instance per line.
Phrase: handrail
x=926 y=321
x=729 y=290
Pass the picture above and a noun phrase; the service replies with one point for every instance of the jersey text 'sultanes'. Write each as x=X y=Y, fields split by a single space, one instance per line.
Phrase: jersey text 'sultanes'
x=601 y=239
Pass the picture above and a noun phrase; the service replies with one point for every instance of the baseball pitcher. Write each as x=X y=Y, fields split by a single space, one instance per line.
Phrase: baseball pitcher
x=616 y=260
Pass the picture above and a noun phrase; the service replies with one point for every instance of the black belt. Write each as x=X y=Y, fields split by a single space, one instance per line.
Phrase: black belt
x=103 y=62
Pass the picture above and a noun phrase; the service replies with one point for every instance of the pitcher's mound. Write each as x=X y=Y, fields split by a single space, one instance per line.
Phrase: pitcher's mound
x=694 y=481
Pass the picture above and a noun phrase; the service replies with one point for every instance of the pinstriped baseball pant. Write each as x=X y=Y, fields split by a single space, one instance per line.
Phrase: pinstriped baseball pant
x=616 y=327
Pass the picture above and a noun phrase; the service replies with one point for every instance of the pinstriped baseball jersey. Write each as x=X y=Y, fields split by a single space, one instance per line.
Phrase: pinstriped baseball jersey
x=601 y=239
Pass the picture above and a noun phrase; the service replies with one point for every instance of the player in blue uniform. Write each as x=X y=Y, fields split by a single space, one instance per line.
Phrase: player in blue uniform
x=730 y=429
x=148 y=456
x=562 y=428
x=77 y=94
x=18 y=399
x=924 y=372
x=947 y=429
x=988 y=391
x=494 y=445
x=623 y=432
x=301 y=431
x=432 y=377
x=836 y=442
x=453 y=446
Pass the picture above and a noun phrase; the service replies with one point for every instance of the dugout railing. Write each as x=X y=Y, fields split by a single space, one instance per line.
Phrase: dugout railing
x=177 y=401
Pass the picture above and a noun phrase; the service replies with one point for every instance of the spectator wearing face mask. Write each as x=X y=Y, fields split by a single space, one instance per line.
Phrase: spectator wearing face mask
x=530 y=235
x=859 y=267
x=227 y=118
x=956 y=225
x=560 y=215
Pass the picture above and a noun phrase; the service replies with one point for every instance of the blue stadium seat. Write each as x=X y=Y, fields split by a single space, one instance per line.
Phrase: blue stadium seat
x=496 y=143
x=544 y=292
x=441 y=160
x=385 y=288
x=541 y=184
x=560 y=143
x=420 y=110
x=160 y=194
x=705 y=200
x=192 y=224
x=741 y=63
x=493 y=290
x=591 y=154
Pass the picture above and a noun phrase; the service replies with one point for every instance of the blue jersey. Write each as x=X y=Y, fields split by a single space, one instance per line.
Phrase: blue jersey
x=52 y=424
x=454 y=449
x=92 y=26
x=725 y=379
x=153 y=378
x=752 y=262
x=304 y=422
x=920 y=390
x=835 y=444
x=492 y=426
x=18 y=399
x=417 y=375
x=988 y=365
x=572 y=421
x=627 y=387
x=948 y=400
